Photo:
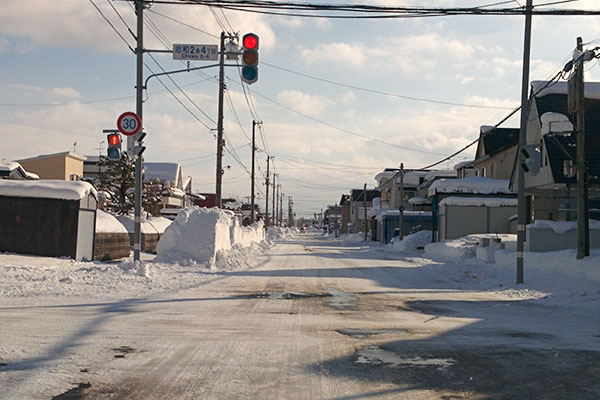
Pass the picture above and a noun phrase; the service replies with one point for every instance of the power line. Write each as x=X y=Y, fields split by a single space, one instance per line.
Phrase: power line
x=112 y=26
x=382 y=92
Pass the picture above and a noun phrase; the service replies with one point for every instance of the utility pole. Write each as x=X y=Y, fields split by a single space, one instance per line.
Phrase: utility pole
x=267 y=195
x=220 y=142
x=289 y=211
x=521 y=209
x=401 y=237
x=280 y=208
x=252 y=212
x=274 y=222
x=365 y=207
x=583 y=219
x=139 y=52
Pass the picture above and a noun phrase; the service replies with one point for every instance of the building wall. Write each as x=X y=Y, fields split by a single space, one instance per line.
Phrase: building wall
x=459 y=221
x=59 y=167
x=47 y=168
x=498 y=166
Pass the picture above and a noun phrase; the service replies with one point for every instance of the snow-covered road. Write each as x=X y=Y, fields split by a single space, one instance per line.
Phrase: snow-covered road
x=316 y=319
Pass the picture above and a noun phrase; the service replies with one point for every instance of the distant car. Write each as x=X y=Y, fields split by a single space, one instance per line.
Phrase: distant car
x=304 y=229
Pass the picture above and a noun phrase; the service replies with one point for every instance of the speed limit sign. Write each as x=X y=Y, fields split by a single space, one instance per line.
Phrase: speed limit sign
x=129 y=123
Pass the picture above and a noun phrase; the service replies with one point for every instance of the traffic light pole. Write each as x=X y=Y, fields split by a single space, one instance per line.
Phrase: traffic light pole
x=137 y=236
x=252 y=212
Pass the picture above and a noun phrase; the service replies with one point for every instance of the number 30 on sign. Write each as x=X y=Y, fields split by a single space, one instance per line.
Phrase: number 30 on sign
x=129 y=123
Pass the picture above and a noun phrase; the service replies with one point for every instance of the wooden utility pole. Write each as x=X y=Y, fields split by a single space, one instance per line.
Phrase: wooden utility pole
x=365 y=207
x=274 y=202
x=267 y=195
x=401 y=200
x=220 y=141
x=252 y=212
x=583 y=219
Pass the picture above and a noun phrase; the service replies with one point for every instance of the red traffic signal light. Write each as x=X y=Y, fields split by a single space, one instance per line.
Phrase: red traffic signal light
x=114 y=146
x=114 y=139
x=250 y=58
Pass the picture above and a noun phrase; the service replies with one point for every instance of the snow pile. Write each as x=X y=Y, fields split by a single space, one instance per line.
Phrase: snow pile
x=412 y=242
x=560 y=227
x=246 y=235
x=47 y=189
x=196 y=235
x=278 y=233
x=453 y=250
x=149 y=224
x=475 y=185
x=108 y=223
x=207 y=235
x=354 y=238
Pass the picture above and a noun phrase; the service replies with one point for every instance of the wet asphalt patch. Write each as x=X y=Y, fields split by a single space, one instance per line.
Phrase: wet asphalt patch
x=283 y=295
x=123 y=351
x=365 y=333
x=76 y=393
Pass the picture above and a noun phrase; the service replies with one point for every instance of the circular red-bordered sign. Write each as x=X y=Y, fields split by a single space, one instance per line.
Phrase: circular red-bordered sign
x=129 y=123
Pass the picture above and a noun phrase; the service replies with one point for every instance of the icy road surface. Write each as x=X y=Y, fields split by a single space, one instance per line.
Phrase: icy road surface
x=316 y=319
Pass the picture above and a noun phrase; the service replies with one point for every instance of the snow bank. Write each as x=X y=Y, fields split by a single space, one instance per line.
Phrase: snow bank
x=278 y=233
x=148 y=225
x=108 y=223
x=52 y=189
x=412 y=242
x=453 y=250
x=206 y=235
x=196 y=235
x=560 y=227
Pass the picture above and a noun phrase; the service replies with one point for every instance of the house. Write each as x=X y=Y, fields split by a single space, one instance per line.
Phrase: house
x=14 y=170
x=169 y=175
x=357 y=208
x=331 y=219
x=398 y=189
x=496 y=151
x=471 y=205
x=465 y=169
x=345 y=219
x=550 y=186
x=551 y=193
x=66 y=166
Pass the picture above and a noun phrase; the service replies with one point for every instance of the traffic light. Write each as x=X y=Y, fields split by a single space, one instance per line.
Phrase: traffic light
x=114 y=146
x=250 y=58
x=531 y=161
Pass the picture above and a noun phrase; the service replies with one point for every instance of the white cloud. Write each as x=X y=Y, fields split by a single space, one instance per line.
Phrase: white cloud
x=304 y=103
x=65 y=92
x=344 y=53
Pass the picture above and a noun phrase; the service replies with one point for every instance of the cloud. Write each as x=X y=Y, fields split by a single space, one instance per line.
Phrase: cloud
x=343 y=53
x=304 y=103
x=65 y=92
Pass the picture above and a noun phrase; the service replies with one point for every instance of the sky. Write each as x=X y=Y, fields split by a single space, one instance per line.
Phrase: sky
x=339 y=100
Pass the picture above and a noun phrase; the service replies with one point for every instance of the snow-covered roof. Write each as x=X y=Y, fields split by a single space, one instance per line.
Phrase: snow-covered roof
x=479 y=201
x=384 y=176
x=147 y=225
x=592 y=89
x=556 y=123
x=379 y=213
x=439 y=174
x=474 y=185
x=463 y=164
x=14 y=170
x=106 y=222
x=418 y=200
x=52 y=189
x=166 y=172
x=64 y=153
x=412 y=177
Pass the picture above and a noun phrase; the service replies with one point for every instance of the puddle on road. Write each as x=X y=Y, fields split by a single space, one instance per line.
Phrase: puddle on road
x=340 y=300
x=365 y=333
x=123 y=351
x=75 y=393
x=283 y=295
x=377 y=355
